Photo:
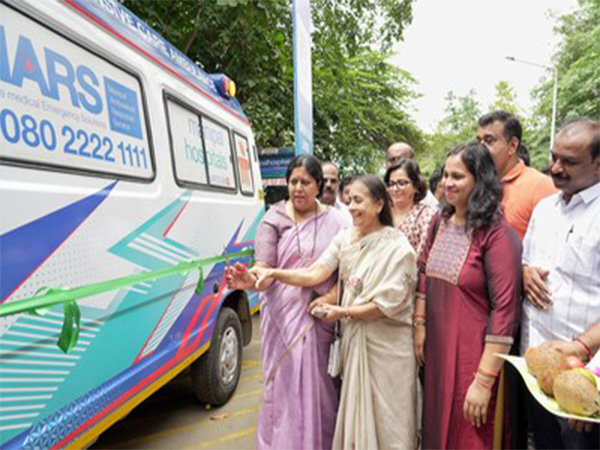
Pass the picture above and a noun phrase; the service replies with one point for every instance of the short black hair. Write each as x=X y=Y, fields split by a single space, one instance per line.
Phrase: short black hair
x=414 y=175
x=485 y=200
x=523 y=153
x=512 y=126
x=346 y=181
x=435 y=179
x=312 y=166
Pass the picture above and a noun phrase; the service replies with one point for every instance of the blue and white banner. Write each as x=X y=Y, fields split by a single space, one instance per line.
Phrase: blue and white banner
x=303 y=108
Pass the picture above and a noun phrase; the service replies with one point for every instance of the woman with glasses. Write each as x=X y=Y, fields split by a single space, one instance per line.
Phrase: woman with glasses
x=407 y=188
x=300 y=398
x=470 y=276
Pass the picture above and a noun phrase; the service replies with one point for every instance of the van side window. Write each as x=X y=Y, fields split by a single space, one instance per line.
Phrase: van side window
x=244 y=164
x=201 y=148
x=187 y=145
x=219 y=156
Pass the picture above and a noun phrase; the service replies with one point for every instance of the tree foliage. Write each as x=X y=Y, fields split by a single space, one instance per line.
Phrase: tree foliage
x=506 y=98
x=358 y=97
x=578 y=64
x=458 y=126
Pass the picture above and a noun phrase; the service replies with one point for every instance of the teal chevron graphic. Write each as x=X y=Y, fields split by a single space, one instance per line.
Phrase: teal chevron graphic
x=147 y=247
x=133 y=313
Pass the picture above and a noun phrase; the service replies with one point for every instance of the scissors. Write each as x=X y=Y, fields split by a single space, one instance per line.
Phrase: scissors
x=226 y=256
x=228 y=262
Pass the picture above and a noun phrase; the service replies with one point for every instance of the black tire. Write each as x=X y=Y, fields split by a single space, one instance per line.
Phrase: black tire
x=215 y=375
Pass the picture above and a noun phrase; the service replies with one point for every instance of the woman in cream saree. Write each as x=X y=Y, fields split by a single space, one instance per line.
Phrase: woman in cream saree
x=378 y=398
x=377 y=267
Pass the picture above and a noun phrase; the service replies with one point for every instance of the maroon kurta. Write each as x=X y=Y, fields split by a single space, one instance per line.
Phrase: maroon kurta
x=472 y=282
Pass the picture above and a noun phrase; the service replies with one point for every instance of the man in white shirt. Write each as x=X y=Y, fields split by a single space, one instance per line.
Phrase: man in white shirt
x=331 y=188
x=401 y=150
x=561 y=265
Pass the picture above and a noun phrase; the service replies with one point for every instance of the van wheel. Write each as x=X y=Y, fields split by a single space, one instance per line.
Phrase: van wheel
x=215 y=374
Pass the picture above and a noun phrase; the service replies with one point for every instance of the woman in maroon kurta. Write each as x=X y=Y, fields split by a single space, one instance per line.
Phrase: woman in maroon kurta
x=471 y=279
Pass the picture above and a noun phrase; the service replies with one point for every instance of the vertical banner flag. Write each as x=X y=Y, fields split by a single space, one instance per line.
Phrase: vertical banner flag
x=303 y=113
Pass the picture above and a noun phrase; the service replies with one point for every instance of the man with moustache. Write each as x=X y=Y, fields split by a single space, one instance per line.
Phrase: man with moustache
x=561 y=267
x=331 y=188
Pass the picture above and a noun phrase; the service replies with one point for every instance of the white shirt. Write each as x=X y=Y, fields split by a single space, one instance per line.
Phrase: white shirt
x=342 y=208
x=564 y=239
x=430 y=200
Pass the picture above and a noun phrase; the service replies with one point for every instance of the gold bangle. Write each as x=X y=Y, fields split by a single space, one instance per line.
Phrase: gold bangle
x=347 y=314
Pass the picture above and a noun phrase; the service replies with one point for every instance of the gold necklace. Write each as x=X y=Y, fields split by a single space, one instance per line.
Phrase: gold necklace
x=312 y=253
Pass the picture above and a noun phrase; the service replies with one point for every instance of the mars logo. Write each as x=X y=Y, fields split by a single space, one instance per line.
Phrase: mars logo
x=80 y=81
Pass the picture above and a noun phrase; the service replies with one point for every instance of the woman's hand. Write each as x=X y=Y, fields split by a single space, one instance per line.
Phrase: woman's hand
x=420 y=344
x=322 y=301
x=238 y=277
x=334 y=313
x=477 y=401
x=263 y=277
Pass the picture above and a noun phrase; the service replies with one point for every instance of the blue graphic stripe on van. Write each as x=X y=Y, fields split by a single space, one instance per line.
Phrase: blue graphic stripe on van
x=24 y=249
x=146 y=248
x=81 y=407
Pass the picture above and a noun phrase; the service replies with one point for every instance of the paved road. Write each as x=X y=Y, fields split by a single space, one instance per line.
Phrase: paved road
x=173 y=419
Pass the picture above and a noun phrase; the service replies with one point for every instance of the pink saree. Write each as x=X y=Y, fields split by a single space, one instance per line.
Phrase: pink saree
x=300 y=398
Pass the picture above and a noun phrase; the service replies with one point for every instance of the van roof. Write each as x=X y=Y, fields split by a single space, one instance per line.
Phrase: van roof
x=126 y=26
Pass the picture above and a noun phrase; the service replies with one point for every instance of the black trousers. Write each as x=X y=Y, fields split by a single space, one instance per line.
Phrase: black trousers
x=551 y=432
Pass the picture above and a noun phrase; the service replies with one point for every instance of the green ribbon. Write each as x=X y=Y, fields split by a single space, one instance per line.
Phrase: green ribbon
x=46 y=298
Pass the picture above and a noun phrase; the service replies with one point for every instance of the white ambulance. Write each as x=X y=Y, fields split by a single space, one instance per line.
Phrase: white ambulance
x=121 y=163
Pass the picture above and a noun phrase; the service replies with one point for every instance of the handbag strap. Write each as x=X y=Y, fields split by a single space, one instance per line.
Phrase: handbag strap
x=338 y=294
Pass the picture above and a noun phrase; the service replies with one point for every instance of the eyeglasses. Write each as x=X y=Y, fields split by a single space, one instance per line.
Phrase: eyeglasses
x=400 y=184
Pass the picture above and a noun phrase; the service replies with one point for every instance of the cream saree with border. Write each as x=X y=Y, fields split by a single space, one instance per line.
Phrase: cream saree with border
x=378 y=397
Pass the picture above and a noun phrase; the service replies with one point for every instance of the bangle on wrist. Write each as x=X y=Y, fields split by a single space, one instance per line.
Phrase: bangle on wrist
x=486 y=373
x=347 y=314
x=486 y=384
x=418 y=322
x=588 y=352
x=482 y=384
x=419 y=316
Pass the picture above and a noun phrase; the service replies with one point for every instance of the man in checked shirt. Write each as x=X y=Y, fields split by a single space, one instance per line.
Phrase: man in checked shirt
x=561 y=267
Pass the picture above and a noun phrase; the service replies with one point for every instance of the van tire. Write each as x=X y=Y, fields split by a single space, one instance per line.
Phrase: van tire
x=215 y=375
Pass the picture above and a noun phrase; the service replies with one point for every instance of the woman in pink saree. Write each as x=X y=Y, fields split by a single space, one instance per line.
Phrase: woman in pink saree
x=300 y=398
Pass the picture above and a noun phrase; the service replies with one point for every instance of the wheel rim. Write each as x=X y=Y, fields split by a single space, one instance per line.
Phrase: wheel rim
x=229 y=355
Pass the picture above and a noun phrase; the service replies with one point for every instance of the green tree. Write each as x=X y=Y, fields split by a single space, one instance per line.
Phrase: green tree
x=458 y=126
x=505 y=99
x=358 y=97
x=578 y=64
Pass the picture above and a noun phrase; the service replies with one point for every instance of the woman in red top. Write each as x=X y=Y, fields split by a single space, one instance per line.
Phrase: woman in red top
x=470 y=278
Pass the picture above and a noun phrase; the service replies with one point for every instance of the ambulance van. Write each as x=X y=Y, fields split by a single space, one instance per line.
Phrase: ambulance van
x=129 y=179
